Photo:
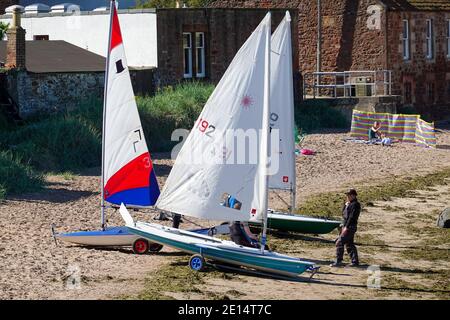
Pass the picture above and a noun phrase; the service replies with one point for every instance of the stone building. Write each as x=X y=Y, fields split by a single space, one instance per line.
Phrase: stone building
x=200 y=43
x=409 y=37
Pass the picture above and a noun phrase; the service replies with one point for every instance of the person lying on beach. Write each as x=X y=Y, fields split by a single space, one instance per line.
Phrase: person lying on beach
x=375 y=131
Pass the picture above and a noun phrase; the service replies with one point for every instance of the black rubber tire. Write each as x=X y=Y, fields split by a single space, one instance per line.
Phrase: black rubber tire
x=155 y=247
x=197 y=263
x=140 y=246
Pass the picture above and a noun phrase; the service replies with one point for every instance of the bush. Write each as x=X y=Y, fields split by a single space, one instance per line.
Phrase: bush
x=60 y=143
x=313 y=115
x=16 y=177
x=170 y=109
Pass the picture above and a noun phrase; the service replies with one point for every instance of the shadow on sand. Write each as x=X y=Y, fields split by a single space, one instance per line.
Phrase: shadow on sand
x=56 y=195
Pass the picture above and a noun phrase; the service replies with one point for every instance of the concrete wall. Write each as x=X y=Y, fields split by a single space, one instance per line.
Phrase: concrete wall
x=89 y=30
x=84 y=4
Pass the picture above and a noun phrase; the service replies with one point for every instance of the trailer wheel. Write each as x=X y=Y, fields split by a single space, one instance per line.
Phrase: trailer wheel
x=155 y=247
x=197 y=263
x=140 y=246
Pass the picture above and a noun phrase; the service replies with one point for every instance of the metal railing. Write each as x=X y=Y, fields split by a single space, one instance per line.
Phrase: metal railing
x=347 y=84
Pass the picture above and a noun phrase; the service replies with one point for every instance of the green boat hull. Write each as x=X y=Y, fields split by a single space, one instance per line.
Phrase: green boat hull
x=300 y=224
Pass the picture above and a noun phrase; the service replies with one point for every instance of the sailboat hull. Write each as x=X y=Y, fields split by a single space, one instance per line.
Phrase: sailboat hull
x=300 y=224
x=221 y=250
x=115 y=236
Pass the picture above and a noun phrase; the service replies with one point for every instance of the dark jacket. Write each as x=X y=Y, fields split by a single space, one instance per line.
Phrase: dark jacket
x=351 y=214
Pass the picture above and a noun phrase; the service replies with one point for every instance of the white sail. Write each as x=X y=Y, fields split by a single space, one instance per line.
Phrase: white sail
x=282 y=106
x=197 y=187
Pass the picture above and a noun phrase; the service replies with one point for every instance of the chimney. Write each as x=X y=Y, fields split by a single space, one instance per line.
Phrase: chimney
x=15 y=48
x=177 y=4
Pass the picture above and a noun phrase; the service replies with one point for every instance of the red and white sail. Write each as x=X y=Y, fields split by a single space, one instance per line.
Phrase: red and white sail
x=128 y=175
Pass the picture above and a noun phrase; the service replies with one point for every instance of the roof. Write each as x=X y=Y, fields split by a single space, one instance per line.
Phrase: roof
x=43 y=56
x=417 y=5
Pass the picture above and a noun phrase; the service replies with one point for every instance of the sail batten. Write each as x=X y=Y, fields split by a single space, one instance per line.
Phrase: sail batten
x=127 y=171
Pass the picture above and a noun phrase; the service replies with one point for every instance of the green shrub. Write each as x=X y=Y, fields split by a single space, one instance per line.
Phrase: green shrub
x=311 y=115
x=16 y=177
x=60 y=143
x=170 y=109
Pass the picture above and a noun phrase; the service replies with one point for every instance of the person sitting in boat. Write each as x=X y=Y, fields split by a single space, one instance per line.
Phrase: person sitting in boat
x=241 y=235
x=375 y=132
x=239 y=231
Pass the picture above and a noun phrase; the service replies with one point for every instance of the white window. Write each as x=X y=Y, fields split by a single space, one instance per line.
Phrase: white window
x=448 y=38
x=187 y=54
x=430 y=39
x=200 y=54
x=405 y=41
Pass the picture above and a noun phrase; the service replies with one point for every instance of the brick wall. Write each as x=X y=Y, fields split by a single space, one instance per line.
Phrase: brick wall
x=427 y=79
x=15 y=48
x=351 y=39
x=363 y=35
x=225 y=31
x=6 y=3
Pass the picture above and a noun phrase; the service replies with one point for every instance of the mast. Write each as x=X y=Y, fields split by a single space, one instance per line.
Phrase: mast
x=265 y=132
x=291 y=88
x=111 y=11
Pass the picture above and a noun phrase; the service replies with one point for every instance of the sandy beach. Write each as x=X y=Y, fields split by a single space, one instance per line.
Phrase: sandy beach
x=34 y=267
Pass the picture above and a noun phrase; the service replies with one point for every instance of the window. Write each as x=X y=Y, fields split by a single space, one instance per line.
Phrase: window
x=200 y=54
x=407 y=94
x=448 y=38
x=187 y=48
x=430 y=39
x=40 y=37
x=194 y=54
x=405 y=40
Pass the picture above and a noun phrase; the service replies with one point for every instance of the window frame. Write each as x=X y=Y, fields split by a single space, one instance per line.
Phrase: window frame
x=202 y=54
x=430 y=51
x=448 y=38
x=406 y=43
x=188 y=75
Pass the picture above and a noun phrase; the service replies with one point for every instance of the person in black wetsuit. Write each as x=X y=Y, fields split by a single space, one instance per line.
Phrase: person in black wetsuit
x=240 y=234
x=239 y=231
x=350 y=212
x=176 y=219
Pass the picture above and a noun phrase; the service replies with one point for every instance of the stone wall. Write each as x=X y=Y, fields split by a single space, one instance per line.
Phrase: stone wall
x=352 y=32
x=428 y=79
x=365 y=35
x=225 y=32
x=37 y=93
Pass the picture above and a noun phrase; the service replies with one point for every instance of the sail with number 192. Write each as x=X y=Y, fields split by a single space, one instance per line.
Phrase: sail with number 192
x=207 y=167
